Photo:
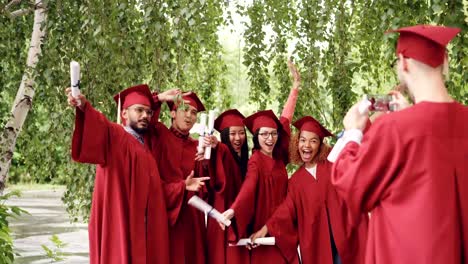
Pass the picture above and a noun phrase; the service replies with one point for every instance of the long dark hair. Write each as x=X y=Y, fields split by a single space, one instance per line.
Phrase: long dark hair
x=244 y=157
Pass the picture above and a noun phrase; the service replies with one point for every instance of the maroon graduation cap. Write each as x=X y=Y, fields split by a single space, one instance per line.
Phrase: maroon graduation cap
x=260 y=119
x=191 y=99
x=229 y=118
x=425 y=43
x=308 y=123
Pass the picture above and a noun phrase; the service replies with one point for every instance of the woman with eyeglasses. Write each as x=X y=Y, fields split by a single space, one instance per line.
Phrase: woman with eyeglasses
x=266 y=180
x=313 y=216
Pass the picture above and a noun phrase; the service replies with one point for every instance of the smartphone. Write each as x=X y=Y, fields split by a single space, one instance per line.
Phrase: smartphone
x=380 y=103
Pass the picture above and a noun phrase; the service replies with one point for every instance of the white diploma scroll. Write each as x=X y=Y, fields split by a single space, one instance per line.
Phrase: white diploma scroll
x=201 y=133
x=264 y=241
x=211 y=120
x=201 y=205
x=75 y=79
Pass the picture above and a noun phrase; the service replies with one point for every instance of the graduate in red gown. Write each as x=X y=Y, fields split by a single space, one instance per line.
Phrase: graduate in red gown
x=128 y=222
x=313 y=215
x=227 y=169
x=266 y=181
x=175 y=152
x=410 y=169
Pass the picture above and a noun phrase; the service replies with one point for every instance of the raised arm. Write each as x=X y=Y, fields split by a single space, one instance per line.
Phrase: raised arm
x=171 y=95
x=91 y=133
x=289 y=107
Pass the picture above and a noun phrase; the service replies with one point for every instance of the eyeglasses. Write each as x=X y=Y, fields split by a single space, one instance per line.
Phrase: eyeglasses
x=265 y=135
x=140 y=110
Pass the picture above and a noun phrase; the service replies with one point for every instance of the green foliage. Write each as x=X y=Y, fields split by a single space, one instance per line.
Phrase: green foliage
x=341 y=50
x=56 y=253
x=118 y=44
x=339 y=46
x=7 y=254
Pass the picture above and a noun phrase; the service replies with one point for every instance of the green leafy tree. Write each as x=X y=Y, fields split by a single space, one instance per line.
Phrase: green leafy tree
x=341 y=49
x=118 y=44
x=338 y=45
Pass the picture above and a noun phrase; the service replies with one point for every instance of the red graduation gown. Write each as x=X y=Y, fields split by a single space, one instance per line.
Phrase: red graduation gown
x=263 y=190
x=225 y=182
x=128 y=222
x=303 y=219
x=411 y=173
x=175 y=156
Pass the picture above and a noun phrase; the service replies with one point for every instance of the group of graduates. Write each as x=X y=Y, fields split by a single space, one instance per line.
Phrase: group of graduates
x=395 y=191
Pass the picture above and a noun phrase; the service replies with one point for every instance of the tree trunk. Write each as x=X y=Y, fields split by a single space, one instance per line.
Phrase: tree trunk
x=24 y=97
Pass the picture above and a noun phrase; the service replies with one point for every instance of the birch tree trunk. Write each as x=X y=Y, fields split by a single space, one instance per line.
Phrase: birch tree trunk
x=24 y=97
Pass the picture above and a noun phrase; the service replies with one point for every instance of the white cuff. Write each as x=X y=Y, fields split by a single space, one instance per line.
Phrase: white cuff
x=353 y=135
x=349 y=135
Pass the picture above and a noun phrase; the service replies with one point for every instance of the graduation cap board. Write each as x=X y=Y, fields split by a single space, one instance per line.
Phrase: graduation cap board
x=425 y=43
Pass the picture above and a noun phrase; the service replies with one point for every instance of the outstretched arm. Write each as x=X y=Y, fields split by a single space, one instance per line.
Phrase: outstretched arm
x=91 y=133
x=288 y=110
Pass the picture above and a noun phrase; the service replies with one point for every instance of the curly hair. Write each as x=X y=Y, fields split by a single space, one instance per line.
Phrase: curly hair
x=295 y=157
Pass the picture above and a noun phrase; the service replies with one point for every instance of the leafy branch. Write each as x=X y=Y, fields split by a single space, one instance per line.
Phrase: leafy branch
x=56 y=253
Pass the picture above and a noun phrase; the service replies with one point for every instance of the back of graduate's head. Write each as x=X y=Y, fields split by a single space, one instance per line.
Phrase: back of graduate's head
x=422 y=54
x=184 y=113
x=135 y=107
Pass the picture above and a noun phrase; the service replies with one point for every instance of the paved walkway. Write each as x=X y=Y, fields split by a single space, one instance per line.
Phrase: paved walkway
x=48 y=217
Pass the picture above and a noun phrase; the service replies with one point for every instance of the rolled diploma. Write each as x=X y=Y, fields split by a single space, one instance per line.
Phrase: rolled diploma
x=75 y=79
x=201 y=133
x=201 y=205
x=265 y=241
x=211 y=119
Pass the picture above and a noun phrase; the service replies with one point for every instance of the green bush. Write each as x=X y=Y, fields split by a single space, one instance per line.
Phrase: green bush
x=7 y=254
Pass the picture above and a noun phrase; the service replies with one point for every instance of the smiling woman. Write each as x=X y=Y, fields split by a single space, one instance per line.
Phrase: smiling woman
x=227 y=168
x=265 y=126
x=266 y=180
x=175 y=43
x=312 y=214
x=307 y=145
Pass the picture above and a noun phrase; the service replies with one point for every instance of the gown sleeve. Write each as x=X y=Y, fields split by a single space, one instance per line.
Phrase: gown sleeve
x=362 y=174
x=283 y=226
x=91 y=136
x=244 y=205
